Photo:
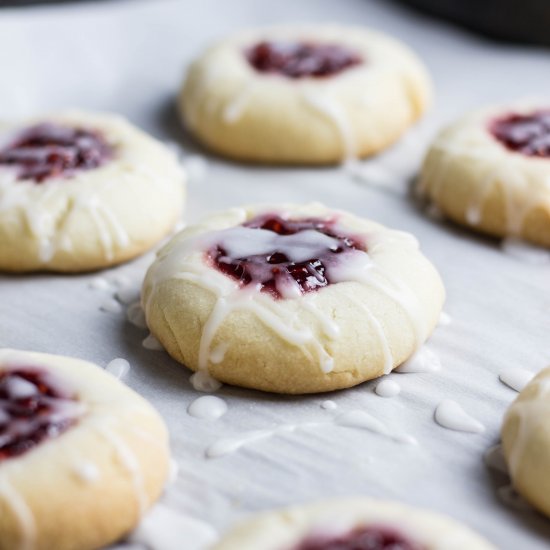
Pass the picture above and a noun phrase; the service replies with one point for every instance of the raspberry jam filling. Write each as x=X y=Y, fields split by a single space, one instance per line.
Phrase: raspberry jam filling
x=302 y=59
x=49 y=150
x=527 y=134
x=285 y=258
x=361 y=538
x=33 y=407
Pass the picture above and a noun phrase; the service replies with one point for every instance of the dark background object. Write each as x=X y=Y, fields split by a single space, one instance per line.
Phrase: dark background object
x=517 y=20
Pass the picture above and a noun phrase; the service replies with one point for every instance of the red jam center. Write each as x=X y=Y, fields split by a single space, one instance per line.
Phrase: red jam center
x=527 y=134
x=49 y=150
x=299 y=60
x=362 y=538
x=299 y=257
x=33 y=407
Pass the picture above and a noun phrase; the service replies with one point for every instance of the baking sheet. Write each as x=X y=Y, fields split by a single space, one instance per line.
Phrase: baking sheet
x=129 y=57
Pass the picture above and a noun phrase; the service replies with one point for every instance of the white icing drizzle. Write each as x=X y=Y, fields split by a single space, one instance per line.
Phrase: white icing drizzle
x=329 y=405
x=526 y=252
x=118 y=367
x=86 y=471
x=110 y=305
x=424 y=360
x=358 y=419
x=151 y=343
x=504 y=170
x=235 y=109
x=136 y=315
x=99 y=283
x=241 y=241
x=173 y=472
x=516 y=378
x=494 y=459
x=452 y=416
x=122 y=281
x=218 y=353
x=127 y=295
x=203 y=382
x=333 y=111
x=22 y=514
x=130 y=463
x=387 y=388
x=164 y=529
x=444 y=319
x=196 y=167
x=208 y=407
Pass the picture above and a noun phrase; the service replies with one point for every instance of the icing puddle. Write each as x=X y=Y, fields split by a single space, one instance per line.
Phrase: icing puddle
x=357 y=419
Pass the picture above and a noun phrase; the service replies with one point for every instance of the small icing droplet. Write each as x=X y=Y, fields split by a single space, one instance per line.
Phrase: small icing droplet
x=329 y=405
x=444 y=319
x=118 y=367
x=152 y=343
x=110 y=305
x=122 y=281
x=196 y=167
x=525 y=252
x=494 y=458
x=202 y=381
x=208 y=407
x=135 y=315
x=127 y=295
x=87 y=472
x=165 y=529
x=387 y=388
x=516 y=379
x=99 y=283
x=452 y=416
x=172 y=472
x=424 y=360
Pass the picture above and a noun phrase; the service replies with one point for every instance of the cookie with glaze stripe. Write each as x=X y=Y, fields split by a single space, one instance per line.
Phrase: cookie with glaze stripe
x=310 y=94
x=526 y=442
x=490 y=171
x=82 y=456
x=291 y=299
x=352 y=523
x=82 y=191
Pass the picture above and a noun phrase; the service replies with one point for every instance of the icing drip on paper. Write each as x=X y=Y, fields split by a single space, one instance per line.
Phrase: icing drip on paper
x=387 y=388
x=329 y=405
x=151 y=343
x=357 y=419
x=208 y=407
x=118 y=367
x=515 y=378
x=424 y=360
x=136 y=315
x=452 y=416
x=110 y=305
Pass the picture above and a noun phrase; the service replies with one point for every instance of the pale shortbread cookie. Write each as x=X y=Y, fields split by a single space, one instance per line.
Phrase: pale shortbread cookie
x=358 y=522
x=487 y=183
x=128 y=196
x=265 y=116
x=526 y=442
x=378 y=310
x=79 y=473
